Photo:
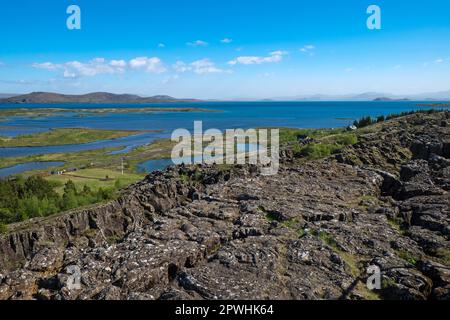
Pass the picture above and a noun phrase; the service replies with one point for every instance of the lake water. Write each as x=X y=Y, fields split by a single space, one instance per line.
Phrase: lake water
x=131 y=142
x=160 y=164
x=154 y=165
x=30 y=166
x=229 y=115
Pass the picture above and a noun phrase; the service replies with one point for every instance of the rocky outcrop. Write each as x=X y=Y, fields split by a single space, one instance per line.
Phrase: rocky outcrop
x=217 y=232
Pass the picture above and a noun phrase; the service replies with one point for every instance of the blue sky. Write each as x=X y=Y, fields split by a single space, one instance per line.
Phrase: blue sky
x=225 y=49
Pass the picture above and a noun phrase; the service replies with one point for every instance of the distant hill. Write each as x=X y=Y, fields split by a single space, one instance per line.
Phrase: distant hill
x=96 y=97
x=7 y=95
x=370 y=96
x=390 y=99
x=366 y=96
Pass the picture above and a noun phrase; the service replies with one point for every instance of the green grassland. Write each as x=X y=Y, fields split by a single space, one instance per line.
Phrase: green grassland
x=290 y=135
x=325 y=142
x=63 y=136
x=94 y=178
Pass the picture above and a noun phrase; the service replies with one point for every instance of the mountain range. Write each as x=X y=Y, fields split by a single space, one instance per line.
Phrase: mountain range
x=370 y=96
x=96 y=97
x=109 y=98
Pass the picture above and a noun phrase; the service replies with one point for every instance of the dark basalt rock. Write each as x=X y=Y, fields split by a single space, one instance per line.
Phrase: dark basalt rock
x=309 y=232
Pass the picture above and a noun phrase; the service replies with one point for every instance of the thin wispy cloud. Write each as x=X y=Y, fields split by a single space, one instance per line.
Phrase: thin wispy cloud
x=266 y=74
x=170 y=79
x=203 y=66
x=226 y=40
x=118 y=63
x=181 y=67
x=275 y=56
x=28 y=82
x=198 y=43
x=308 y=49
x=436 y=61
x=161 y=45
x=46 y=65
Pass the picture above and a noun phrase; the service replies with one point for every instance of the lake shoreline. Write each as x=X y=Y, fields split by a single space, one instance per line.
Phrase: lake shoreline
x=66 y=136
x=32 y=111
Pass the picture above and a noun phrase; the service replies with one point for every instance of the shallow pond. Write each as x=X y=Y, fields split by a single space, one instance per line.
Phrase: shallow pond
x=29 y=166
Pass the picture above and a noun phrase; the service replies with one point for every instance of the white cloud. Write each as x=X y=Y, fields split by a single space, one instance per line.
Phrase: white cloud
x=74 y=69
x=98 y=66
x=46 y=65
x=69 y=75
x=161 y=45
x=308 y=49
x=180 y=66
x=275 y=56
x=198 y=43
x=118 y=63
x=140 y=62
x=226 y=40
x=151 y=65
x=279 y=53
x=203 y=66
x=92 y=68
x=437 y=61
